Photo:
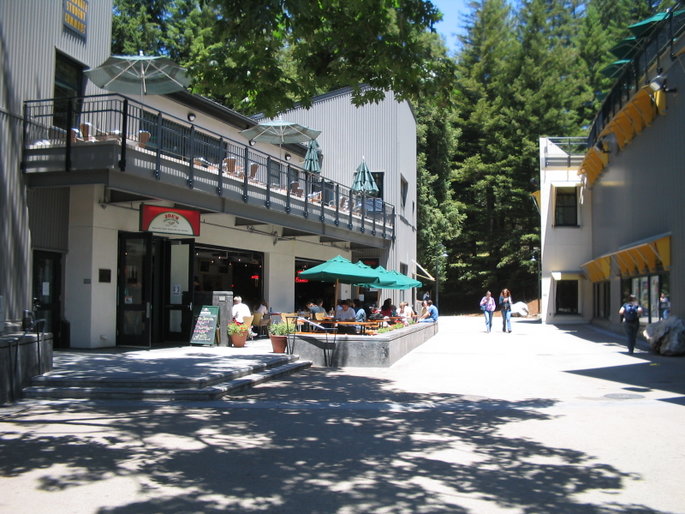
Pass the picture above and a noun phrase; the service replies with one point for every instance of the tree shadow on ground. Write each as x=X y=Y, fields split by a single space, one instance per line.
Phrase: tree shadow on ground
x=320 y=442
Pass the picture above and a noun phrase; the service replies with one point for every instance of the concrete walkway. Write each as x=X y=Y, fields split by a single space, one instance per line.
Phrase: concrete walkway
x=545 y=419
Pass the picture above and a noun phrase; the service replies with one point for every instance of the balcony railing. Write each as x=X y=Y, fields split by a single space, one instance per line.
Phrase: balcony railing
x=113 y=132
x=574 y=149
x=657 y=45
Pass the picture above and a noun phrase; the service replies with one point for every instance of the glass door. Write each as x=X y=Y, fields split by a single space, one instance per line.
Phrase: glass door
x=134 y=289
x=178 y=306
x=47 y=292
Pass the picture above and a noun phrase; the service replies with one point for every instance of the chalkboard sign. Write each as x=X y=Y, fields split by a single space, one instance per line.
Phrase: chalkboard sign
x=205 y=327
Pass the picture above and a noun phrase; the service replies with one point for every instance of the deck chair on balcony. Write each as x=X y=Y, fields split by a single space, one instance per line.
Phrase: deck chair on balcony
x=254 y=167
x=143 y=138
x=295 y=189
x=87 y=131
x=230 y=167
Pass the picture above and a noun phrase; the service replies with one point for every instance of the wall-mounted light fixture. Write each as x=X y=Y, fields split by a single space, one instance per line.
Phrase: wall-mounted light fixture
x=191 y=116
x=288 y=157
x=252 y=142
x=659 y=83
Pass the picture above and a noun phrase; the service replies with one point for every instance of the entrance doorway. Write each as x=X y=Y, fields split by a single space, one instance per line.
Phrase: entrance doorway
x=47 y=293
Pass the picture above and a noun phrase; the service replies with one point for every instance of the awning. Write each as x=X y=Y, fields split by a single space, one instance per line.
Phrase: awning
x=647 y=255
x=632 y=119
x=644 y=256
x=599 y=269
x=567 y=275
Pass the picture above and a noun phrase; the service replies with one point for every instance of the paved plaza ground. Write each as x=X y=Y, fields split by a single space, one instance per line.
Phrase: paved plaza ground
x=545 y=419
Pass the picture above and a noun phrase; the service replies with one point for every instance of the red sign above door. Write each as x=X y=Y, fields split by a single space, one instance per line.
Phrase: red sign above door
x=165 y=220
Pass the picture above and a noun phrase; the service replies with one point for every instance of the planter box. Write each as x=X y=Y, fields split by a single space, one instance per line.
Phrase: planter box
x=379 y=351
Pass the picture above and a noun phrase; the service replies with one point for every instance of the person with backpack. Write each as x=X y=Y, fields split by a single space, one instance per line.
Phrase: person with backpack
x=631 y=312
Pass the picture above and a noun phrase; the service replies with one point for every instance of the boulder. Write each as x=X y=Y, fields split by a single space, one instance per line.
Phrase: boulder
x=666 y=337
x=519 y=309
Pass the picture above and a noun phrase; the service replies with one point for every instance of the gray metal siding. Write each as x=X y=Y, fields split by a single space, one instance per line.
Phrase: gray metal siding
x=49 y=218
x=640 y=194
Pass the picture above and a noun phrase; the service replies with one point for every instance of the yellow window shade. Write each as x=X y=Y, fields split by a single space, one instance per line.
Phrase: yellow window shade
x=660 y=101
x=598 y=269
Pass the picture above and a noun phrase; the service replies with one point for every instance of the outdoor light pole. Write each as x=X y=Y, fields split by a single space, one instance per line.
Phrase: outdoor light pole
x=441 y=256
x=538 y=278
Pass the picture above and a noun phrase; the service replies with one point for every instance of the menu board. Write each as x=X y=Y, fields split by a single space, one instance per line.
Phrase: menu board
x=205 y=327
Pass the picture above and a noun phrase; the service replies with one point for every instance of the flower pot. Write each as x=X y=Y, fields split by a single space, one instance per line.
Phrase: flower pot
x=279 y=343
x=238 y=340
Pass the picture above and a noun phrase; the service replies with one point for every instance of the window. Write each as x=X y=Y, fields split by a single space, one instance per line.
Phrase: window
x=378 y=177
x=601 y=299
x=567 y=297
x=68 y=84
x=566 y=207
x=404 y=190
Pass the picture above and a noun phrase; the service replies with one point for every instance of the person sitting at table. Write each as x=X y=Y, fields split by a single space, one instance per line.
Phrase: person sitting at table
x=240 y=310
x=314 y=308
x=406 y=313
x=388 y=309
x=431 y=314
x=345 y=314
x=263 y=308
x=360 y=313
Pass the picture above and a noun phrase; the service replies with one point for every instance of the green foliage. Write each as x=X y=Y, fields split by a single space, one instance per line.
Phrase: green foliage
x=281 y=329
x=237 y=328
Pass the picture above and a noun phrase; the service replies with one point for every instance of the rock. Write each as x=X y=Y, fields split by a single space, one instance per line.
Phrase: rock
x=666 y=337
x=519 y=309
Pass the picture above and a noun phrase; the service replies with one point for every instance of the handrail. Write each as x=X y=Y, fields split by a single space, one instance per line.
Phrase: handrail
x=176 y=148
x=651 y=49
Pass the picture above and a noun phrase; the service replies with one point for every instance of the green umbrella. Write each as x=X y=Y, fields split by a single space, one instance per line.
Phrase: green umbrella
x=626 y=48
x=339 y=269
x=311 y=158
x=363 y=180
x=614 y=69
x=641 y=28
x=402 y=281
x=139 y=75
x=279 y=132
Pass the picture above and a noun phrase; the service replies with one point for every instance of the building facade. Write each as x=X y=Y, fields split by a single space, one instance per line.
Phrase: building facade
x=124 y=214
x=610 y=204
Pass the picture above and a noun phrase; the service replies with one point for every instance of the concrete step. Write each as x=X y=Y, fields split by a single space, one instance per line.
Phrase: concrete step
x=152 y=379
x=104 y=391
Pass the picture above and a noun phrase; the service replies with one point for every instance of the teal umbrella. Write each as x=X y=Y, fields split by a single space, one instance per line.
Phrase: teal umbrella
x=641 y=28
x=363 y=180
x=139 y=75
x=402 y=281
x=614 y=69
x=280 y=132
x=626 y=48
x=311 y=158
x=339 y=269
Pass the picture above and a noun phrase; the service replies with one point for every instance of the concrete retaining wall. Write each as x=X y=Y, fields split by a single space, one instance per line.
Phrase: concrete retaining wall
x=380 y=351
x=22 y=357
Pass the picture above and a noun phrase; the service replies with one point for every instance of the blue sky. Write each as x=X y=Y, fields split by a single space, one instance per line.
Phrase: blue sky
x=451 y=23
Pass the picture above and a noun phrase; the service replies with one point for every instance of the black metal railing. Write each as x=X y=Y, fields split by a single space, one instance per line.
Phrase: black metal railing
x=58 y=131
x=658 y=44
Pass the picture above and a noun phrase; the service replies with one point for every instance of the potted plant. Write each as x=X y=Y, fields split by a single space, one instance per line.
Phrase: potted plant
x=278 y=333
x=238 y=333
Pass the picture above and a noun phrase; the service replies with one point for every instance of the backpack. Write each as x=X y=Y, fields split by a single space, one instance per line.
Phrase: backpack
x=630 y=313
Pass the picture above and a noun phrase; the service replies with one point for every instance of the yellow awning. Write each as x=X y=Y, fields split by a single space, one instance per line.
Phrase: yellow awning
x=598 y=269
x=632 y=119
x=646 y=256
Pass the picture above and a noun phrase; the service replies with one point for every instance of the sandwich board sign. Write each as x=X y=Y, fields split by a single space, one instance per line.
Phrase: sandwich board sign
x=205 y=328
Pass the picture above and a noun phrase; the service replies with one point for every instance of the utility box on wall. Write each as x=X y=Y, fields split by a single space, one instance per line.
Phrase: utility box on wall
x=224 y=300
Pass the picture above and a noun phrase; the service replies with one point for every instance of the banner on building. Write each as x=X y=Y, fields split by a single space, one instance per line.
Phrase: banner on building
x=165 y=220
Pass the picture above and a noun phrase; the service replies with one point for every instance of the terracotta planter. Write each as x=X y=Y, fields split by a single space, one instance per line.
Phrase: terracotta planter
x=238 y=340
x=279 y=343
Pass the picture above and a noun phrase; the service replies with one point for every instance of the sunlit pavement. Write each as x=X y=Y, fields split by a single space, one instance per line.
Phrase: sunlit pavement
x=545 y=419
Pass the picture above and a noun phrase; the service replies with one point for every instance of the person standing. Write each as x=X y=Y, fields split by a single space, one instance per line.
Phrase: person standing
x=664 y=306
x=505 y=303
x=487 y=305
x=631 y=312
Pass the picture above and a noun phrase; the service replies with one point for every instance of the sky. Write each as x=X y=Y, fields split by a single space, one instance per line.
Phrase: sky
x=451 y=23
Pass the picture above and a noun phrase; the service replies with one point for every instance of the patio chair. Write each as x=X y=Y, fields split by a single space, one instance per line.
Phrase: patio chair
x=315 y=197
x=87 y=131
x=247 y=320
x=254 y=167
x=143 y=138
x=230 y=167
x=295 y=189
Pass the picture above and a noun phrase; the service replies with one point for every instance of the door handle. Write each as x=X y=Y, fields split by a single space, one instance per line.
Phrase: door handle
x=148 y=309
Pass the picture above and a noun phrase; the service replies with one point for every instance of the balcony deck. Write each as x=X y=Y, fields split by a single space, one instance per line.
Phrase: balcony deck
x=152 y=155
